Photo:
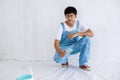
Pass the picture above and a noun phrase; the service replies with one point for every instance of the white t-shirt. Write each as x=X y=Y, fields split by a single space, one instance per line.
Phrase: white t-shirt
x=82 y=28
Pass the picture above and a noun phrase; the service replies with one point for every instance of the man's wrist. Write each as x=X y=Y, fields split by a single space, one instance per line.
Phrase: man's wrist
x=76 y=34
x=79 y=34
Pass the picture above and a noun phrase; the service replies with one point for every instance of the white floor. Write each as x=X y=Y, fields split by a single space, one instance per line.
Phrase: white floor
x=51 y=71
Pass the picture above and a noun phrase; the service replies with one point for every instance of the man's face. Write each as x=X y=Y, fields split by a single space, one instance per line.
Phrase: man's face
x=70 y=18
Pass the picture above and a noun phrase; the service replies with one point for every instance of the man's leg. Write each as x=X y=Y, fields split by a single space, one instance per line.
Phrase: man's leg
x=59 y=59
x=82 y=46
x=84 y=50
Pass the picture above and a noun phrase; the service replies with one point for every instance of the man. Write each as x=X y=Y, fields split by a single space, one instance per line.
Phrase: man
x=72 y=37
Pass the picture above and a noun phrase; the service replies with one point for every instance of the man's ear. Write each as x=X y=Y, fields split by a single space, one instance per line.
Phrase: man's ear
x=75 y=16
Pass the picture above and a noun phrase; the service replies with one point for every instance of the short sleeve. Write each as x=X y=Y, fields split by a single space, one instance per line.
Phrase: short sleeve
x=83 y=27
x=59 y=33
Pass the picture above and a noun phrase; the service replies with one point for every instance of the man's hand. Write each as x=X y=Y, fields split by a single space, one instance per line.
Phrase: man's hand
x=58 y=48
x=62 y=54
x=70 y=36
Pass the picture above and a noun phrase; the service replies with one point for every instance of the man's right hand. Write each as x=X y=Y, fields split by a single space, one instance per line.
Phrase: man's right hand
x=62 y=54
x=58 y=48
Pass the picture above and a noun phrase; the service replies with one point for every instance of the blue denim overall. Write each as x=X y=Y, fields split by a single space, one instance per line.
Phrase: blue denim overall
x=77 y=45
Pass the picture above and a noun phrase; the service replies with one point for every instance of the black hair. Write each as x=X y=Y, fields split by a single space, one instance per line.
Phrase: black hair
x=69 y=10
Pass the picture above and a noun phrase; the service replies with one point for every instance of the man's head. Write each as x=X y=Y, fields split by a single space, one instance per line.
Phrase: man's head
x=70 y=14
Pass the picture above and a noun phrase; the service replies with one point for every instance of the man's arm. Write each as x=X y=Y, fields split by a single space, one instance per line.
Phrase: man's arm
x=86 y=33
x=58 y=49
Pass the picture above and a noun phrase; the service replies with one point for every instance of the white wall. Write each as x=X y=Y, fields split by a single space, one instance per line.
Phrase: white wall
x=28 y=27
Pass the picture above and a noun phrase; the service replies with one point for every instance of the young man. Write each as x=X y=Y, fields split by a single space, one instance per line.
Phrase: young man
x=72 y=37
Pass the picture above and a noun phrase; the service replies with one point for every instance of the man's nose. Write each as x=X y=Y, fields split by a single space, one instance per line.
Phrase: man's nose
x=70 y=18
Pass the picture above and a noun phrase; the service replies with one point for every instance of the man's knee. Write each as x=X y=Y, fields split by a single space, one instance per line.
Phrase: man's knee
x=86 y=38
